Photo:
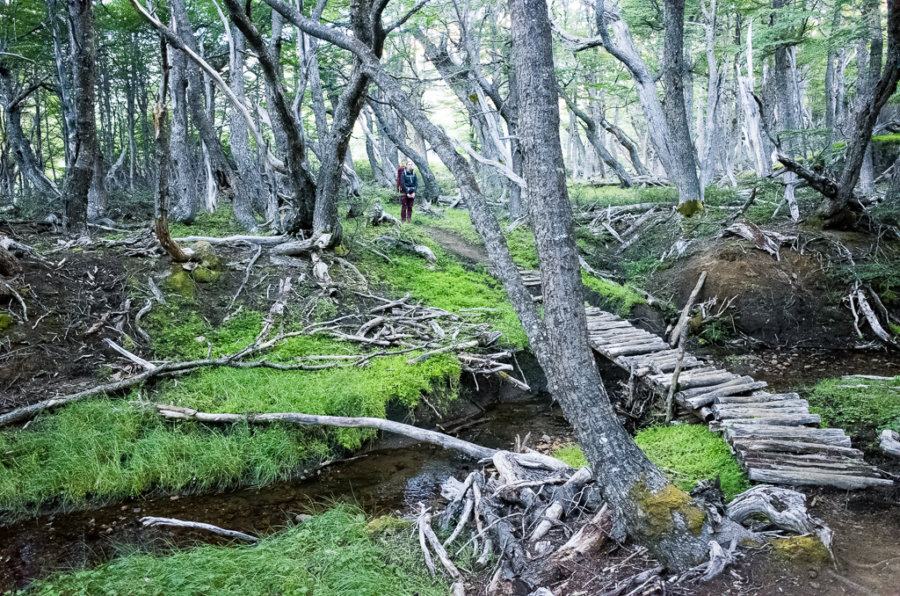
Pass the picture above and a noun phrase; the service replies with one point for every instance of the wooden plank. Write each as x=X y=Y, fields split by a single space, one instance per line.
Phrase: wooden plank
x=690 y=393
x=631 y=350
x=779 y=419
x=759 y=412
x=689 y=380
x=786 y=433
x=784 y=447
x=756 y=398
x=814 y=477
x=766 y=405
x=857 y=466
x=704 y=399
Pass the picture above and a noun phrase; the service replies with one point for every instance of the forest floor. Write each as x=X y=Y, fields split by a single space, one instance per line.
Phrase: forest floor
x=82 y=476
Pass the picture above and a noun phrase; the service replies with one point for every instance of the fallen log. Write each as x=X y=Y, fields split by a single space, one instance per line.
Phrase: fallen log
x=239 y=239
x=149 y=522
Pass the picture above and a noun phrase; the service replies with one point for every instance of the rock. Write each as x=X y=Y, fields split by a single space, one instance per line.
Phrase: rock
x=206 y=275
x=204 y=253
x=181 y=283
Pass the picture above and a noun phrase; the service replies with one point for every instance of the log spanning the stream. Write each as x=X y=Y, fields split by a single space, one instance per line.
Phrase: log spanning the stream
x=769 y=433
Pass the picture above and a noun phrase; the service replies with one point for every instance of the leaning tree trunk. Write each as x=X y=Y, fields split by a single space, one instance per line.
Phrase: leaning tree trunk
x=81 y=172
x=593 y=134
x=21 y=147
x=633 y=486
x=302 y=185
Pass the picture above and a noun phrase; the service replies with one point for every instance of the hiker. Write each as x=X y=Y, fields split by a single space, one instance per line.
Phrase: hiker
x=407 y=183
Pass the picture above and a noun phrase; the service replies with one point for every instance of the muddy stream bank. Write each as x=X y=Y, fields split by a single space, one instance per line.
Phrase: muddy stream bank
x=393 y=475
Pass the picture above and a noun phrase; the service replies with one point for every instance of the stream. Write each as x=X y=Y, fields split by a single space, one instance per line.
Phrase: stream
x=393 y=475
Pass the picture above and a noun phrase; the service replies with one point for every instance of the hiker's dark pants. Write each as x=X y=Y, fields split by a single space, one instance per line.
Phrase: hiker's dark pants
x=406 y=205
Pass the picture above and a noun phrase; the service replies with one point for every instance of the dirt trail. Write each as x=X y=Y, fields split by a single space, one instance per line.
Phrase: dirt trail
x=459 y=246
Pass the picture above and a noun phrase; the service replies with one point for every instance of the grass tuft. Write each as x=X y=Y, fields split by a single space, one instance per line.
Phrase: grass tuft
x=862 y=407
x=329 y=554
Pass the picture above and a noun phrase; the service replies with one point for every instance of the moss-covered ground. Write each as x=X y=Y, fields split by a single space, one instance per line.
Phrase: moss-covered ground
x=332 y=554
x=686 y=453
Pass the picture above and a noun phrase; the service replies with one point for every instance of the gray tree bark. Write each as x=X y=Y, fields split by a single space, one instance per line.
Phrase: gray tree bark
x=182 y=186
x=682 y=151
x=79 y=174
x=633 y=486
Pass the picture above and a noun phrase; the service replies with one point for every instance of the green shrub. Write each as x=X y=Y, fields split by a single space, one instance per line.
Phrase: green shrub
x=329 y=554
x=862 y=407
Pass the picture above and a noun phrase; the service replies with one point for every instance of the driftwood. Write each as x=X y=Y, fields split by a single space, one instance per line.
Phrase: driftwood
x=149 y=522
x=783 y=508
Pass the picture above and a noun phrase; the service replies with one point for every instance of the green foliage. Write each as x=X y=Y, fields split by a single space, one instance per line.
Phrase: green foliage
x=520 y=242
x=329 y=554
x=862 y=407
x=220 y=223
x=689 y=453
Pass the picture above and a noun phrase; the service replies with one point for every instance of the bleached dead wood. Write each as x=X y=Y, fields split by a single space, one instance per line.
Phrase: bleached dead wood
x=675 y=337
x=236 y=240
x=149 y=522
x=784 y=509
x=871 y=317
x=766 y=240
x=890 y=442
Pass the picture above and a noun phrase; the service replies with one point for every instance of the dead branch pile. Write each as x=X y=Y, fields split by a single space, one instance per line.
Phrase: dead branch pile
x=534 y=520
x=858 y=300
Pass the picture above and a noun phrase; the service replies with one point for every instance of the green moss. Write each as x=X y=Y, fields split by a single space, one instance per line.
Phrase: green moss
x=220 y=223
x=661 y=508
x=686 y=453
x=862 y=407
x=6 y=321
x=690 y=453
x=205 y=275
x=801 y=549
x=690 y=208
x=329 y=554
x=180 y=282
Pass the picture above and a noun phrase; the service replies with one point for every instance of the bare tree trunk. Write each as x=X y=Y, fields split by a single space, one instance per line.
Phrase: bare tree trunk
x=11 y=97
x=621 y=468
x=96 y=207
x=592 y=131
x=81 y=171
x=163 y=158
x=302 y=184
x=683 y=153
x=247 y=163
x=184 y=190
x=865 y=118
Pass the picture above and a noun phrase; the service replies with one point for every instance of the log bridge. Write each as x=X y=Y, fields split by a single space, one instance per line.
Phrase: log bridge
x=773 y=435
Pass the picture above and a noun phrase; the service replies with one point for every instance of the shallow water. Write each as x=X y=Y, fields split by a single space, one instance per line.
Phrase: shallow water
x=393 y=476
